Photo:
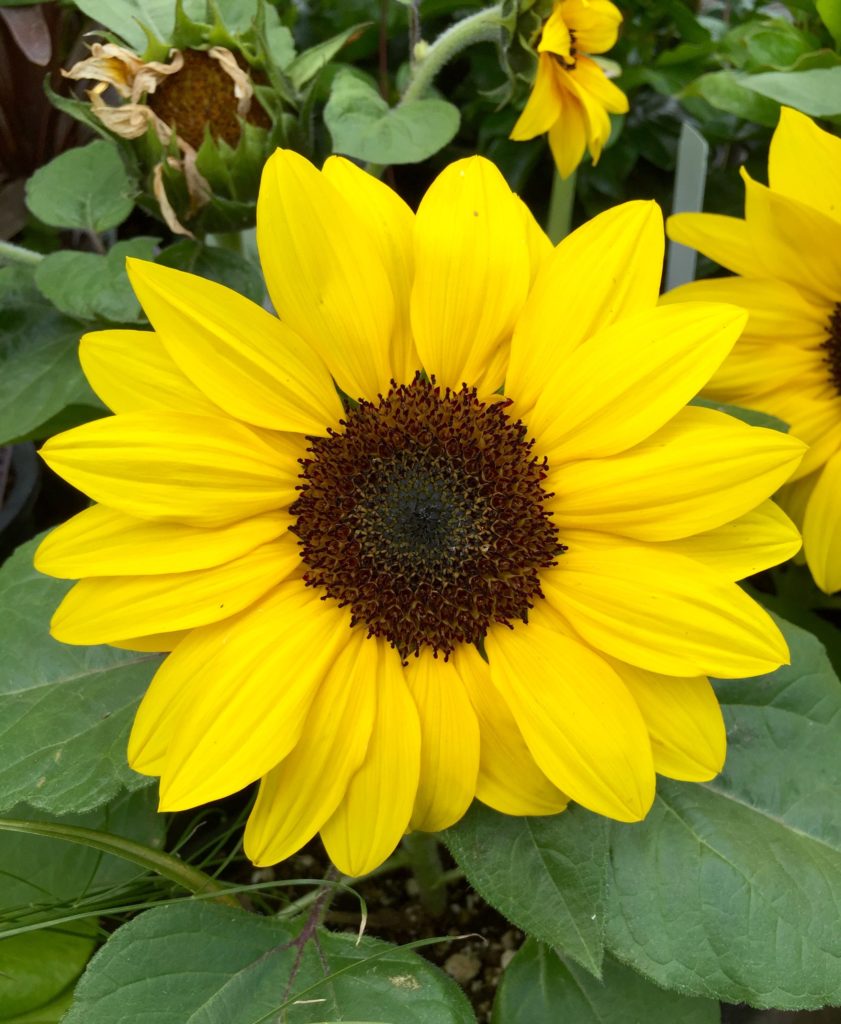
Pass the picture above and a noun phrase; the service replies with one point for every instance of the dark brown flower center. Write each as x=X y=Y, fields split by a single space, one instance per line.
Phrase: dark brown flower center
x=832 y=346
x=425 y=515
x=202 y=93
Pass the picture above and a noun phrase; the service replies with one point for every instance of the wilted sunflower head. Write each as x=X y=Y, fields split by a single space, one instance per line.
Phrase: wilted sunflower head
x=572 y=95
x=442 y=528
x=786 y=253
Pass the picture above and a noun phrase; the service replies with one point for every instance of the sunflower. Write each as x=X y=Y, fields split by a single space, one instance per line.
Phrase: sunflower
x=787 y=255
x=388 y=583
x=572 y=95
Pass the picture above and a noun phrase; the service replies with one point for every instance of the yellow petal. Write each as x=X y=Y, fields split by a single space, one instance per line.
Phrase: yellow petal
x=555 y=37
x=250 y=685
x=798 y=144
x=300 y=794
x=509 y=779
x=777 y=312
x=578 y=719
x=822 y=527
x=594 y=22
x=544 y=104
x=631 y=378
x=598 y=123
x=375 y=812
x=589 y=77
x=539 y=246
x=794 y=497
x=797 y=243
x=243 y=358
x=101 y=609
x=701 y=470
x=724 y=239
x=747 y=545
x=132 y=371
x=449 y=743
x=103 y=542
x=177 y=466
x=684 y=721
x=391 y=225
x=607 y=269
x=569 y=135
x=661 y=611
x=472 y=270
x=156 y=644
x=325 y=273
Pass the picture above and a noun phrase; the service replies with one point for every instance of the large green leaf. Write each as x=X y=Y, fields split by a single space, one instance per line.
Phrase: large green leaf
x=733 y=889
x=211 y=964
x=308 y=63
x=40 y=879
x=728 y=90
x=816 y=92
x=42 y=387
x=541 y=987
x=93 y=286
x=546 y=875
x=65 y=711
x=364 y=126
x=136 y=20
x=86 y=188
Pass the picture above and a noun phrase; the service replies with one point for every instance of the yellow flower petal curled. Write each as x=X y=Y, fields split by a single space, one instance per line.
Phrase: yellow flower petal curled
x=298 y=796
x=449 y=744
x=724 y=239
x=442 y=528
x=472 y=270
x=579 y=721
x=821 y=186
x=378 y=803
x=822 y=527
x=204 y=470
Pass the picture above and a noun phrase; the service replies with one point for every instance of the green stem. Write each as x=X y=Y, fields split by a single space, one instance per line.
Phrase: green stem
x=480 y=27
x=394 y=863
x=560 y=207
x=17 y=254
x=425 y=861
x=164 y=864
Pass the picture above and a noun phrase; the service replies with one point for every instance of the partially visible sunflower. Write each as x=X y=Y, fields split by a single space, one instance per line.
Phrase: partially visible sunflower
x=501 y=566
x=572 y=96
x=787 y=255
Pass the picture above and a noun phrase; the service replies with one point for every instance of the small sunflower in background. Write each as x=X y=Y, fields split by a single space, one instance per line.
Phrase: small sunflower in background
x=786 y=253
x=572 y=96
x=446 y=529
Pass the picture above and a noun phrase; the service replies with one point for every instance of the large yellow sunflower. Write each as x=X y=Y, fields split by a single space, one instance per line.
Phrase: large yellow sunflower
x=388 y=585
x=787 y=253
x=572 y=95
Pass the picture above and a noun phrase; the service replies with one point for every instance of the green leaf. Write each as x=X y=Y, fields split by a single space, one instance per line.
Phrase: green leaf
x=362 y=124
x=816 y=92
x=42 y=387
x=732 y=889
x=200 y=962
x=727 y=90
x=767 y=44
x=86 y=188
x=91 y=286
x=127 y=18
x=546 y=875
x=750 y=416
x=220 y=265
x=830 y=14
x=38 y=878
x=541 y=987
x=65 y=711
x=308 y=63
x=49 y=1014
